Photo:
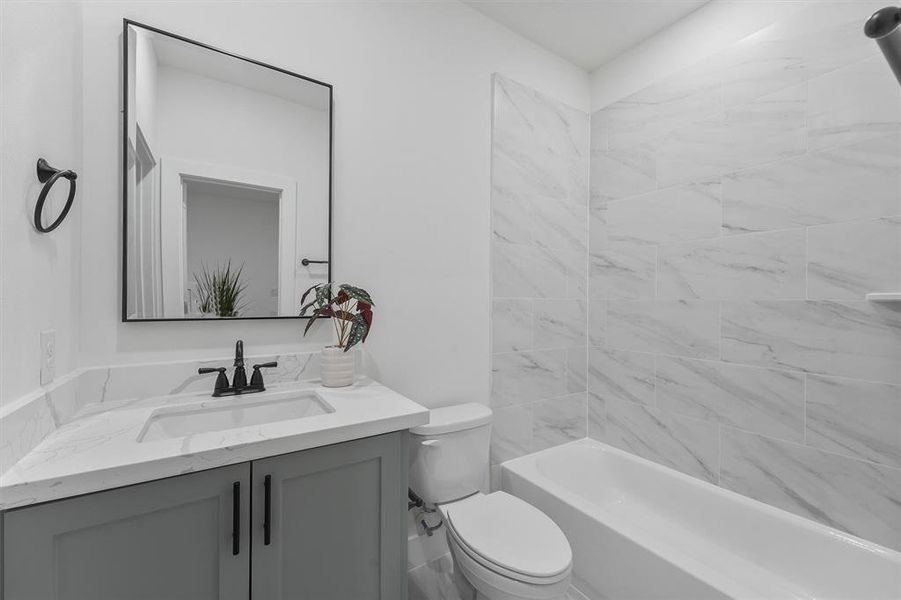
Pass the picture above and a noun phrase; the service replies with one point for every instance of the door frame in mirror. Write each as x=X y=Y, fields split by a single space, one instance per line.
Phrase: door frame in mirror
x=125 y=160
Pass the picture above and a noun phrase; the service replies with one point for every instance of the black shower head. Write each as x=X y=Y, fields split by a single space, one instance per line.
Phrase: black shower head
x=885 y=27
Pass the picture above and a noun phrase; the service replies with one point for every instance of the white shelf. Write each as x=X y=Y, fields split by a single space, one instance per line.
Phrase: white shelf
x=884 y=297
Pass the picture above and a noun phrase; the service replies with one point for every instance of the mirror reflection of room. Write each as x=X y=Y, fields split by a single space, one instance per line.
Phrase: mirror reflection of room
x=227 y=184
x=232 y=249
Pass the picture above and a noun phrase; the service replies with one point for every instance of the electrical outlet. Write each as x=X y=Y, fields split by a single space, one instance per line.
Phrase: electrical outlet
x=48 y=356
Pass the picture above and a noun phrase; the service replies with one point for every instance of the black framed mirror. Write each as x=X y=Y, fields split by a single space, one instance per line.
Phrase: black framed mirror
x=227 y=182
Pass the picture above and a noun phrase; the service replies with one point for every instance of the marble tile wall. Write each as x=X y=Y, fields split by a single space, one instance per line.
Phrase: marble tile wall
x=539 y=274
x=739 y=212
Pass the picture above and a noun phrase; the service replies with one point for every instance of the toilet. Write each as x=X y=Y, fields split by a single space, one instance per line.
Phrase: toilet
x=503 y=546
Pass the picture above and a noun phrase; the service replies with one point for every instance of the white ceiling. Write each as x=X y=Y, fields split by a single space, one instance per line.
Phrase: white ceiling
x=587 y=33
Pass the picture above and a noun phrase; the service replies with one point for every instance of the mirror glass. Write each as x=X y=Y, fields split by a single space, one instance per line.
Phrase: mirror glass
x=227 y=182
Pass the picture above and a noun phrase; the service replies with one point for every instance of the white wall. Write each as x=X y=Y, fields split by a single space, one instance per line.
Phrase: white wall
x=40 y=116
x=411 y=205
x=708 y=30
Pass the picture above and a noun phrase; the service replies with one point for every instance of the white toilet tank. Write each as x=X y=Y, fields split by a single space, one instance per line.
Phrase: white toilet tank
x=449 y=455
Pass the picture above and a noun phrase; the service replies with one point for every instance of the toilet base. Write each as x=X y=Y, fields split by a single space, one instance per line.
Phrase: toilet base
x=465 y=591
x=462 y=585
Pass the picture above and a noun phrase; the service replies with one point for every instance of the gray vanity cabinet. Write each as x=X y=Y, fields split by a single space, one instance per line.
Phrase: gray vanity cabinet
x=336 y=523
x=169 y=539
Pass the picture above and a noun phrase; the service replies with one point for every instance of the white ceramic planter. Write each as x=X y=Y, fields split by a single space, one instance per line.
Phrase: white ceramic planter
x=337 y=367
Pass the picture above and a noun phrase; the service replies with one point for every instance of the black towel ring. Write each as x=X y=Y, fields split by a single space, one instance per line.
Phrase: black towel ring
x=48 y=176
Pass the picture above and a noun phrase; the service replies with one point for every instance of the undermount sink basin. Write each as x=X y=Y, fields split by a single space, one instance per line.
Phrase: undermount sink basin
x=231 y=413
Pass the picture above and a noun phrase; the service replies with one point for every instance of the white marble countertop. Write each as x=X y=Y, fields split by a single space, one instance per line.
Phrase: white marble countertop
x=98 y=448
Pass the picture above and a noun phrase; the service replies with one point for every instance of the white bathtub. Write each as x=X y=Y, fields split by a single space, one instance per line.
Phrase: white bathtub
x=641 y=531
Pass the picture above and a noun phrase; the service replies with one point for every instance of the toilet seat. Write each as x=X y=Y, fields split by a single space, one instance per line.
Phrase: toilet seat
x=494 y=572
x=509 y=537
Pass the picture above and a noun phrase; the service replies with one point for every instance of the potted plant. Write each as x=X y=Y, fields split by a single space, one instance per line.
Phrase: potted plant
x=350 y=310
x=220 y=290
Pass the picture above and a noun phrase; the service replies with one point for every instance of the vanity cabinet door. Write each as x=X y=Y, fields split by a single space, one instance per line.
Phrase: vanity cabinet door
x=165 y=540
x=336 y=522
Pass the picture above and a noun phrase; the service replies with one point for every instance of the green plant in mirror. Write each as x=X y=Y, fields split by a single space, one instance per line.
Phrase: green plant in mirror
x=350 y=310
x=219 y=290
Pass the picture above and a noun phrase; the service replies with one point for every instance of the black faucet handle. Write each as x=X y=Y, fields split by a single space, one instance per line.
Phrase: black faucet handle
x=206 y=370
x=221 y=379
x=256 y=379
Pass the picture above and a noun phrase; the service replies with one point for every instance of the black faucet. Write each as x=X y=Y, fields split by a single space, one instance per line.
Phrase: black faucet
x=239 y=379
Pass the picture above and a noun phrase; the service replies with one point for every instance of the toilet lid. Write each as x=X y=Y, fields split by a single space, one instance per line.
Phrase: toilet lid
x=510 y=533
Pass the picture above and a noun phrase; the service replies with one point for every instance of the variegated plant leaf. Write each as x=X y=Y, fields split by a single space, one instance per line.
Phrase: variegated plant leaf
x=366 y=315
x=324 y=293
x=356 y=293
x=357 y=331
x=306 y=307
x=313 y=318
x=341 y=297
x=324 y=311
x=307 y=293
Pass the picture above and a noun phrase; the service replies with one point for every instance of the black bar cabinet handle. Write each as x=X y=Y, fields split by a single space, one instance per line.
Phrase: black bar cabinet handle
x=267 y=510
x=236 y=518
x=307 y=262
